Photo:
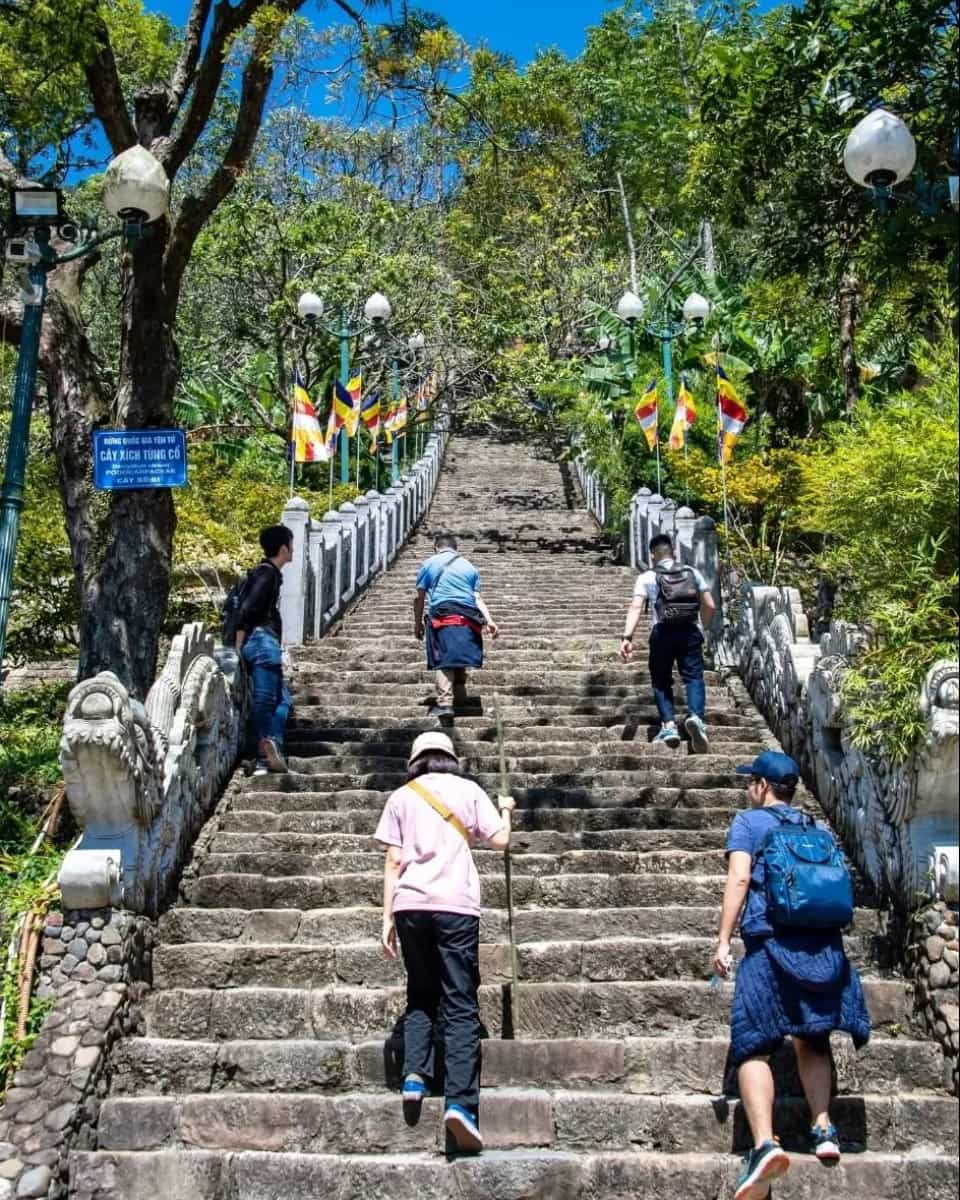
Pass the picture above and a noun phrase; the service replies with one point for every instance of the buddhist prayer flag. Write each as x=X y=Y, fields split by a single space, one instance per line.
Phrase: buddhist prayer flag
x=306 y=436
x=731 y=415
x=648 y=414
x=423 y=400
x=347 y=404
x=370 y=414
x=400 y=416
x=684 y=417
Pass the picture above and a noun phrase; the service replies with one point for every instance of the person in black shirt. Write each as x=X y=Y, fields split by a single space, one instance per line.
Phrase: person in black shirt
x=260 y=641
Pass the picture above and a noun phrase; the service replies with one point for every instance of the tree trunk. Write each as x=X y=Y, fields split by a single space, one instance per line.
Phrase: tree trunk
x=849 y=306
x=120 y=542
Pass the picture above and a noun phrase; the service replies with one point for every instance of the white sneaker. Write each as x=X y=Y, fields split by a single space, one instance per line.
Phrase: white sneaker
x=668 y=736
x=697 y=733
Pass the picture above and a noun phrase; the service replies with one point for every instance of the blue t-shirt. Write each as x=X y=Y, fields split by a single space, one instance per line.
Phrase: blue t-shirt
x=459 y=585
x=747 y=831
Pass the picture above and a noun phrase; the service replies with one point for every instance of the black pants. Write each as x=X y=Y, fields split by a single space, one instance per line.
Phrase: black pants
x=441 y=952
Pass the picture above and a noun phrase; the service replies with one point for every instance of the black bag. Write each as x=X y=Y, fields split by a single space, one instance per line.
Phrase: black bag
x=230 y=613
x=678 y=600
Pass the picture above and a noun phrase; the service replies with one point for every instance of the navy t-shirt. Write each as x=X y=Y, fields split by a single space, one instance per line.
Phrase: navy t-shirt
x=747 y=831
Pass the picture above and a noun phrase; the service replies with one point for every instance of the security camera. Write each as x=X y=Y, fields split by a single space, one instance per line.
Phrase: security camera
x=22 y=250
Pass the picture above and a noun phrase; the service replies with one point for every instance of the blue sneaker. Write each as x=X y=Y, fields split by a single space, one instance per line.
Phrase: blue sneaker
x=668 y=736
x=826 y=1144
x=760 y=1167
x=414 y=1090
x=464 y=1129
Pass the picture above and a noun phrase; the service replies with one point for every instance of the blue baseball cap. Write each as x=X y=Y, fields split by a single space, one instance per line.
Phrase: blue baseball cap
x=772 y=766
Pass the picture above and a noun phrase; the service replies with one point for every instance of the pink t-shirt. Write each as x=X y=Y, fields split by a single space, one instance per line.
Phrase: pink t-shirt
x=437 y=871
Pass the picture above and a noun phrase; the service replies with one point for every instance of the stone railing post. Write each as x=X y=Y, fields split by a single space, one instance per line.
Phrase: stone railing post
x=315 y=553
x=375 y=537
x=684 y=520
x=394 y=519
x=333 y=554
x=654 y=506
x=668 y=518
x=348 y=562
x=706 y=558
x=295 y=594
x=362 y=508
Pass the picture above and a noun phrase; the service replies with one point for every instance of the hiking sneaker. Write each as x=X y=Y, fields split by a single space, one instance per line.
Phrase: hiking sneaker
x=260 y=769
x=463 y=1128
x=414 y=1090
x=268 y=752
x=826 y=1144
x=697 y=733
x=760 y=1167
x=668 y=736
x=442 y=712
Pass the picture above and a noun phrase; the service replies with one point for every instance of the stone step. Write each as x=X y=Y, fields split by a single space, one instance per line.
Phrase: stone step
x=638 y=841
x=512 y=1118
x=556 y=680
x=344 y=925
x=673 y=769
x=254 y=890
x=497 y=1175
x=316 y=812
x=490 y=863
x=313 y=743
x=604 y=959
x=648 y=1066
x=526 y=723
x=552 y=1010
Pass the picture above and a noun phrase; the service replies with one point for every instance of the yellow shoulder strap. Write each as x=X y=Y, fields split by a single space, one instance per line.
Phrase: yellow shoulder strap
x=440 y=808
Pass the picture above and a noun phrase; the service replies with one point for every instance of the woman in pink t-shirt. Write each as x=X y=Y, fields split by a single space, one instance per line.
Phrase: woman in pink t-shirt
x=431 y=904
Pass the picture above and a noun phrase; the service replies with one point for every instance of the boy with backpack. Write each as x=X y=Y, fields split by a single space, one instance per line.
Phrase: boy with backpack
x=790 y=888
x=679 y=600
x=252 y=626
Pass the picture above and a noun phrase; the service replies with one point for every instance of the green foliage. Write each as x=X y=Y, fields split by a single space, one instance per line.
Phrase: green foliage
x=884 y=494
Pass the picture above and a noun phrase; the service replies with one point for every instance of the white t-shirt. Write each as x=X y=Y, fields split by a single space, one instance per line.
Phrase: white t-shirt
x=646 y=587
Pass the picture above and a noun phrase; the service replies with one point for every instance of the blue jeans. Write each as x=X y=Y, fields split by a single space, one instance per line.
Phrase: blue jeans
x=271 y=698
x=683 y=645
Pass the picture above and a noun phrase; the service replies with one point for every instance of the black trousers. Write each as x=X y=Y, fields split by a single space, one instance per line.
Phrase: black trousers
x=441 y=952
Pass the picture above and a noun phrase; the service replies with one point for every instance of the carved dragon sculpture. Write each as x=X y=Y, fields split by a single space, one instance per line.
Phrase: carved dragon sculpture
x=141 y=778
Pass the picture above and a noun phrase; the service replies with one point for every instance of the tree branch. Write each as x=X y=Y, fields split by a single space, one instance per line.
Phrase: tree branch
x=196 y=210
x=227 y=21
x=185 y=70
x=106 y=91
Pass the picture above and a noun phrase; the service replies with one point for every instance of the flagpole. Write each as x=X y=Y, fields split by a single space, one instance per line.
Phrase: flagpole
x=293 y=468
x=720 y=452
x=330 y=499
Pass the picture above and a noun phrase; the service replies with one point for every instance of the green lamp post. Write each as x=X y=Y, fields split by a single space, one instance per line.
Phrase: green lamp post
x=39 y=237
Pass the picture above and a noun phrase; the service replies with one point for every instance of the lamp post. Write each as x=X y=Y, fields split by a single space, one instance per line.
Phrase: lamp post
x=881 y=153
x=376 y=312
x=696 y=310
x=136 y=190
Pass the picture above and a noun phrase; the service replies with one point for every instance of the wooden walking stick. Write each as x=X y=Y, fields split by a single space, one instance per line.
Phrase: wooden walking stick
x=508 y=874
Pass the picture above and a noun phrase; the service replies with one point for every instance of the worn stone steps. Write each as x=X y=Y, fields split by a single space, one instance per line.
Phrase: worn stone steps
x=548 y=1010
x=638 y=1066
x=489 y=863
x=506 y=1175
x=514 y=1118
x=270 y=1061
x=347 y=818
x=332 y=926
x=606 y=958
x=253 y=890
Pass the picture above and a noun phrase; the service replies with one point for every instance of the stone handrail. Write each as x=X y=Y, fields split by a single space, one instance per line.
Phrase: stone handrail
x=900 y=822
x=336 y=558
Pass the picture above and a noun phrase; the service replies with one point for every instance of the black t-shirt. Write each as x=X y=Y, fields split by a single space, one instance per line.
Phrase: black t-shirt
x=261 y=600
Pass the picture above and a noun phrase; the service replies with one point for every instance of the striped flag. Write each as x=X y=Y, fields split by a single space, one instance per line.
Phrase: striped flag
x=306 y=435
x=400 y=416
x=731 y=414
x=335 y=421
x=684 y=417
x=647 y=413
x=370 y=415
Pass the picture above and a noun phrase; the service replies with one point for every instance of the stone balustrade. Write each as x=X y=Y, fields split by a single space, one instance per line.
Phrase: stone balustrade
x=337 y=557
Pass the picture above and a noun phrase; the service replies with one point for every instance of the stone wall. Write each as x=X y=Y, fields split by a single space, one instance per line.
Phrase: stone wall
x=93 y=972
x=934 y=960
x=336 y=559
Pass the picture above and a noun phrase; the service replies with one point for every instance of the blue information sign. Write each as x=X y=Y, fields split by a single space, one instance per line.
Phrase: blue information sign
x=124 y=459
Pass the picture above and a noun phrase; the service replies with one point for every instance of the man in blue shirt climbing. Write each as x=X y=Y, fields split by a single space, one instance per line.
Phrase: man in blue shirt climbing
x=449 y=613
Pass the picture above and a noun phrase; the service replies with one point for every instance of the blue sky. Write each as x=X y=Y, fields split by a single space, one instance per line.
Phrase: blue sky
x=518 y=27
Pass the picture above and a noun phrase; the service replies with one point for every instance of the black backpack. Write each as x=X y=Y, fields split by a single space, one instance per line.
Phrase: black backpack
x=678 y=600
x=230 y=613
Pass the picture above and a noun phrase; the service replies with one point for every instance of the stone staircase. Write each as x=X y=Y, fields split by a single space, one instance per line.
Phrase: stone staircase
x=269 y=1065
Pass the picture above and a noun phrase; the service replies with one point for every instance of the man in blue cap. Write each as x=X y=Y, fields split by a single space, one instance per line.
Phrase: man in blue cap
x=794 y=983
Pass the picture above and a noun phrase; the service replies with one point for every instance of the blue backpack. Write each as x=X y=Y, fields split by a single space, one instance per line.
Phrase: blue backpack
x=809 y=885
